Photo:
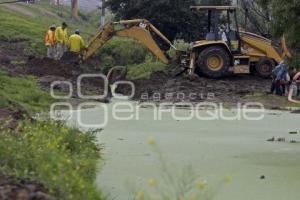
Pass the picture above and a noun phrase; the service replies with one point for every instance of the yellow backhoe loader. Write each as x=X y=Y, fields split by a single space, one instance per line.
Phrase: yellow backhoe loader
x=225 y=48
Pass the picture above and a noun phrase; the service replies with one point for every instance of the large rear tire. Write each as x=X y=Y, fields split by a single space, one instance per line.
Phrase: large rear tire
x=213 y=62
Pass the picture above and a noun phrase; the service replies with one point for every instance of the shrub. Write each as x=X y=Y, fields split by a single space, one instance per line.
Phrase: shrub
x=295 y=62
x=144 y=70
x=123 y=51
x=63 y=159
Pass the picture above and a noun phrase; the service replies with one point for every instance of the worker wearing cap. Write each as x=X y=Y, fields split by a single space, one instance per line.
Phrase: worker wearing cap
x=61 y=36
x=76 y=43
x=50 y=42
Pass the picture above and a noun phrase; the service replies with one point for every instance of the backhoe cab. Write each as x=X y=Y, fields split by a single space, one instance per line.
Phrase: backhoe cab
x=226 y=49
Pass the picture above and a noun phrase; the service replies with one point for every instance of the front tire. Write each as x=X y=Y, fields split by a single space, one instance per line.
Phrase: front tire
x=213 y=62
x=264 y=67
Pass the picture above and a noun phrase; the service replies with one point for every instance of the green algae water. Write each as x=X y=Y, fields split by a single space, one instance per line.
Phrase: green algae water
x=261 y=170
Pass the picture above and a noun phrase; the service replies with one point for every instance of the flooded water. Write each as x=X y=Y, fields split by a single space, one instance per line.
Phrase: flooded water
x=260 y=169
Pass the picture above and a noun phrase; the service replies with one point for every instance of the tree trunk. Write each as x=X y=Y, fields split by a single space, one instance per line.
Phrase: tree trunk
x=103 y=6
x=74 y=9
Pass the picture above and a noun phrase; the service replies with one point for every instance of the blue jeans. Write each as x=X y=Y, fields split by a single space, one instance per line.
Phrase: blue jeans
x=278 y=88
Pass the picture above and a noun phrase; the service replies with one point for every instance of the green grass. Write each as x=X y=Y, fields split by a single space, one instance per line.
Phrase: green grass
x=22 y=91
x=63 y=159
x=144 y=70
x=15 y=27
x=122 y=52
x=19 y=26
x=271 y=100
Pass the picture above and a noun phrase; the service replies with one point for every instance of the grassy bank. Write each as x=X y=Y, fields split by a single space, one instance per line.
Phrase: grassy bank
x=29 y=23
x=63 y=159
x=23 y=92
x=144 y=70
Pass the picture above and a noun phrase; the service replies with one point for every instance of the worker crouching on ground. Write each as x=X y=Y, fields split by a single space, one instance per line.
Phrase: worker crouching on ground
x=280 y=79
x=50 y=42
x=61 y=36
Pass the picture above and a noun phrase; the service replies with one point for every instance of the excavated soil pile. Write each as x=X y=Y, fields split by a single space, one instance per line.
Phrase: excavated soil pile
x=48 y=71
x=162 y=87
x=46 y=67
x=159 y=87
x=12 y=189
x=9 y=118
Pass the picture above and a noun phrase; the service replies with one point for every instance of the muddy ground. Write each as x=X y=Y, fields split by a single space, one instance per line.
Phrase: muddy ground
x=160 y=87
x=21 y=189
x=227 y=90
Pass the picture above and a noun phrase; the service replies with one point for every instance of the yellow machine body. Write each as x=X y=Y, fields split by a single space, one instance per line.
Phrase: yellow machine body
x=216 y=55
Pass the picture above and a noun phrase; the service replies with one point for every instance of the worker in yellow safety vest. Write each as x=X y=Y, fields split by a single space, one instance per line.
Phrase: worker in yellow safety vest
x=50 y=42
x=76 y=43
x=61 y=36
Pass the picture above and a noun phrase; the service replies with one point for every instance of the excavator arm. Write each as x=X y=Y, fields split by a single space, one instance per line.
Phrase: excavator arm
x=138 y=29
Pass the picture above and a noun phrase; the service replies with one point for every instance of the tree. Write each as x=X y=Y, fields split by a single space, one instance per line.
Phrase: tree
x=173 y=17
x=215 y=2
x=285 y=20
x=74 y=9
x=257 y=17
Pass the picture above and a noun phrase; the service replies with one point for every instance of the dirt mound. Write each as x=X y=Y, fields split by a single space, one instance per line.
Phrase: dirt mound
x=9 y=118
x=5 y=59
x=44 y=67
x=161 y=87
x=231 y=90
x=12 y=189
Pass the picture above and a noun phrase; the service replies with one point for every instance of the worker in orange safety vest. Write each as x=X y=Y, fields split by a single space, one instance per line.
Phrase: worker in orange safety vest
x=50 y=42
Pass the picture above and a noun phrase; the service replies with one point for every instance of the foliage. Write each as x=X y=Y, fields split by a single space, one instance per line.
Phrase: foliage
x=22 y=91
x=214 y=2
x=172 y=17
x=144 y=70
x=180 y=45
x=258 y=18
x=122 y=52
x=295 y=62
x=285 y=20
x=284 y=16
x=64 y=159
